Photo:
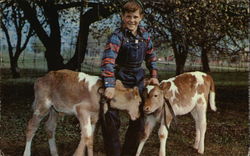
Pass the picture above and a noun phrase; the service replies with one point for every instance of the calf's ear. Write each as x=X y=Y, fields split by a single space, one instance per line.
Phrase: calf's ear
x=119 y=85
x=164 y=85
x=136 y=91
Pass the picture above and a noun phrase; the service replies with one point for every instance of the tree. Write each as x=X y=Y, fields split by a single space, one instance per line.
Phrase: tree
x=191 y=24
x=210 y=22
x=13 y=21
x=86 y=20
x=50 y=34
x=184 y=24
x=166 y=23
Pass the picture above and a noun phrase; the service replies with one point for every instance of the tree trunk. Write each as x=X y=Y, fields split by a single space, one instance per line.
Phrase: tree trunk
x=52 y=42
x=53 y=58
x=204 y=60
x=81 y=45
x=86 y=20
x=13 y=59
x=180 y=63
x=14 y=67
x=180 y=53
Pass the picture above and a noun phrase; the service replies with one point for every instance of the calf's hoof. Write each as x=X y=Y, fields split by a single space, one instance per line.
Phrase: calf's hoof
x=201 y=151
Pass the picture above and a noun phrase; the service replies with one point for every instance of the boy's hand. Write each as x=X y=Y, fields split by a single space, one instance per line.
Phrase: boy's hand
x=109 y=92
x=154 y=81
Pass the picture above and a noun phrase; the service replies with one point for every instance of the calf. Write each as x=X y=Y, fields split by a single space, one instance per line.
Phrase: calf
x=77 y=94
x=188 y=92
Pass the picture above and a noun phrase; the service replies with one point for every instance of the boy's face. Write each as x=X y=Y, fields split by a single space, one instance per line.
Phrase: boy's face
x=131 y=20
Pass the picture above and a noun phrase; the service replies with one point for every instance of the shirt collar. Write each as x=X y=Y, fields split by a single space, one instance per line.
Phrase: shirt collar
x=126 y=31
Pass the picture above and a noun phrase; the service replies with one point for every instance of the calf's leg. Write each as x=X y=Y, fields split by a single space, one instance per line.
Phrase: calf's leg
x=149 y=125
x=163 y=134
x=201 y=110
x=39 y=113
x=86 y=134
x=50 y=128
x=197 y=128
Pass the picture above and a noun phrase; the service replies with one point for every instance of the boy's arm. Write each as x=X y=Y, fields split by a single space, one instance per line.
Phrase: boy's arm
x=150 y=59
x=108 y=60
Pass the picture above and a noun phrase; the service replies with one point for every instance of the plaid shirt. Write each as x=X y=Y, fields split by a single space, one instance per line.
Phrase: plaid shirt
x=112 y=50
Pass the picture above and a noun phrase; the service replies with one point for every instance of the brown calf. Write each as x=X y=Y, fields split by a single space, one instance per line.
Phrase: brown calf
x=188 y=92
x=77 y=94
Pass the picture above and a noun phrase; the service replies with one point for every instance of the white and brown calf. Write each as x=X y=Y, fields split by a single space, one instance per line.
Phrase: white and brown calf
x=188 y=92
x=76 y=94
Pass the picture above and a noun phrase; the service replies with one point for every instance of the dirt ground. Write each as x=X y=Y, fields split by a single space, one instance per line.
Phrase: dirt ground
x=227 y=129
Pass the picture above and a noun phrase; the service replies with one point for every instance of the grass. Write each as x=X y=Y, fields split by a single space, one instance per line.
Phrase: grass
x=227 y=131
x=230 y=78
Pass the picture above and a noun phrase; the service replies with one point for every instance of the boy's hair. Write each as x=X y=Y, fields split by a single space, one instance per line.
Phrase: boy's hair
x=132 y=6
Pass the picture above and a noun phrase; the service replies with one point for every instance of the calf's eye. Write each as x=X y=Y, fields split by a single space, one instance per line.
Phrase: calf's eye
x=155 y=95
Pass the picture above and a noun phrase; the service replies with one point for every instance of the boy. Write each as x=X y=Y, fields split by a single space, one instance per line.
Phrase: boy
x=125 y=51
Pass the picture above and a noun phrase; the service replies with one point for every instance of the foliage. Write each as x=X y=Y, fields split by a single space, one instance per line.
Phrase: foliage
x=201 y=25
x=202 y=22
x=187 y=26
x=105 y=27
x=55 y=20
x=13 y=19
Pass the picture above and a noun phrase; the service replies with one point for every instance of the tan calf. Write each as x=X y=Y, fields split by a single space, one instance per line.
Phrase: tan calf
x=77 y=94
x=187 y=93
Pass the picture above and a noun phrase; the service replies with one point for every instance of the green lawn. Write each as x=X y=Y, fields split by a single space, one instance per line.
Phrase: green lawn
x=227 y=131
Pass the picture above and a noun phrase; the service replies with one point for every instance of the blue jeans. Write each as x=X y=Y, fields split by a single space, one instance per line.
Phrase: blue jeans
x=111 y=124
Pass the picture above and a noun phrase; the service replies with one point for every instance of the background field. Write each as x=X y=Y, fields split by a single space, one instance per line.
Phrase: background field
x=227 y=131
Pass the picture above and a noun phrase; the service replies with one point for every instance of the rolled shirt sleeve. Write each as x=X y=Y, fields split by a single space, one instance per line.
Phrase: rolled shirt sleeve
x=108 y=60
x=151 y=59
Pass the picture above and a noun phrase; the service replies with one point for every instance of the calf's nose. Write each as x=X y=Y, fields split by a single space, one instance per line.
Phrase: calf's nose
x=146 y=108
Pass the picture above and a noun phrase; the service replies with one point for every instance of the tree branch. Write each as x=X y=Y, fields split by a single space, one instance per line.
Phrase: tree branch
x=30 y=33
x=30 y=15
x=7 y=38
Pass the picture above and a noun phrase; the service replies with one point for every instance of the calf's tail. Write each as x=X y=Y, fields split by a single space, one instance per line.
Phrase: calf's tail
x=212 y=95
